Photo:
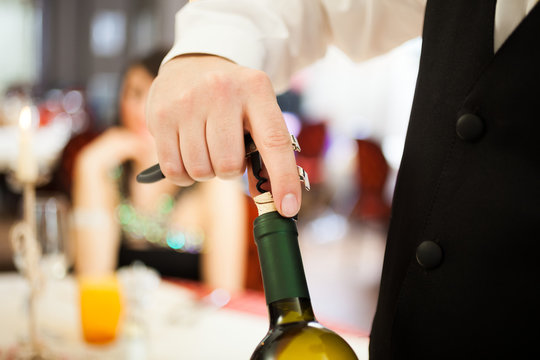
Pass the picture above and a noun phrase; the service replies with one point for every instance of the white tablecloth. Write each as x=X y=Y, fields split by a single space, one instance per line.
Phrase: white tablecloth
x=179 y=326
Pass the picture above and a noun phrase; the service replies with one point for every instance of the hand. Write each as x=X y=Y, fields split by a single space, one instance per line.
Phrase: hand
x=198 y=109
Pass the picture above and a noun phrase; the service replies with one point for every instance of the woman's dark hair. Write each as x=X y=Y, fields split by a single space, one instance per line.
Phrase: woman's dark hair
x=151 y=62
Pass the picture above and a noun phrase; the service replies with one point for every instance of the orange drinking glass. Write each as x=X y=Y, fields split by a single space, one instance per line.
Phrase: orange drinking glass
x=101 y=308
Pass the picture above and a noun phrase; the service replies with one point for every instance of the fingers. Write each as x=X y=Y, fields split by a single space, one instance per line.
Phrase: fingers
x=170 y=160
x=194 y=151
x=161 y=115
x=224 y=134
x=273 y=141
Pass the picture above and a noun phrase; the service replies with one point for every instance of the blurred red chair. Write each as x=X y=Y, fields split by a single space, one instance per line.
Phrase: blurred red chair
x=371 y=178
x=312 y=140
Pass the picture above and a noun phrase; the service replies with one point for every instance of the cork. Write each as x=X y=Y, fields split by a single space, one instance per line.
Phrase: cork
x=265 y=203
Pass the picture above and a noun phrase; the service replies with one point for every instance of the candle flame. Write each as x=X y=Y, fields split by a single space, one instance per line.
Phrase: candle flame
x=25 y=118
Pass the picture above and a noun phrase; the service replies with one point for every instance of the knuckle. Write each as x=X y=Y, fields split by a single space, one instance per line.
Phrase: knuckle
x=200 y=172
x=168 y=113
x=175 y=174
x=275 y=139
x=218 y=81
x=158 y=115
x=172 y=171
x=229 y=166
x=222 y=86
x=183 y=102
x=257 y=79
x=286 y=178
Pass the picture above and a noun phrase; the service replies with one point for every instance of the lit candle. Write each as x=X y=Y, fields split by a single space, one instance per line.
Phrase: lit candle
x=27 y=167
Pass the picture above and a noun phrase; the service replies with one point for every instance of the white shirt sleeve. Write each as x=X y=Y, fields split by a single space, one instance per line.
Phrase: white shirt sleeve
x=508 y=14
x=282 y=36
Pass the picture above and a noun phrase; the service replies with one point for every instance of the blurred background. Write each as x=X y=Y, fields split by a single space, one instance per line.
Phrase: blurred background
x=68 y=57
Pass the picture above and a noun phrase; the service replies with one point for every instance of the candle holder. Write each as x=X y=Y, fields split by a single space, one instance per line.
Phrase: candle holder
x=26 y=248
x=27 y=255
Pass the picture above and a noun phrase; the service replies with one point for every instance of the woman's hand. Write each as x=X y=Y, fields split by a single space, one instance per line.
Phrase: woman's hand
x=198 y=109
x=110 y=149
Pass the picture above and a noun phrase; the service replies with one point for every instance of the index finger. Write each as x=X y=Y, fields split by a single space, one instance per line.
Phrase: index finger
x=270 y=134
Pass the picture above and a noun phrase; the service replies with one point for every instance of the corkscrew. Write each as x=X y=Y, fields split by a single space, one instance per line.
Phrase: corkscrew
x=256 y=163
x=154 y=173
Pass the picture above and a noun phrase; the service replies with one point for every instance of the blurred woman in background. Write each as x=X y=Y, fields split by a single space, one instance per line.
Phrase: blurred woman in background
x=195 y=233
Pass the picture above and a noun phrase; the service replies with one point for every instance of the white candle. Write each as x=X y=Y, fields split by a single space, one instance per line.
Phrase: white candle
x=27 y=167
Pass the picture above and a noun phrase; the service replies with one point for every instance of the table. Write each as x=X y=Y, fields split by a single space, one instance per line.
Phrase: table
x=182 y=324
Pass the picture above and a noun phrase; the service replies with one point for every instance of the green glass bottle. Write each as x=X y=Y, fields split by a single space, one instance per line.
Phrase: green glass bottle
x=294 y=332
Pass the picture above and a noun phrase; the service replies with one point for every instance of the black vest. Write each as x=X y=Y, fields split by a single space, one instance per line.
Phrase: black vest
x=461 y=274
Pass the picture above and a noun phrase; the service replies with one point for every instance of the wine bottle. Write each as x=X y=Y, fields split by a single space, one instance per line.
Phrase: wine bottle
x=294 y=332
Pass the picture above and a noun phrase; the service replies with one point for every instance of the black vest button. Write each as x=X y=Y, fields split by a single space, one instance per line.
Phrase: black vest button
x=429 y=254
x=469 y=127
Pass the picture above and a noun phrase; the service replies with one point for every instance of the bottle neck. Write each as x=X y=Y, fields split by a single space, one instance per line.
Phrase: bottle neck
x=279 y=255
x=291 y=310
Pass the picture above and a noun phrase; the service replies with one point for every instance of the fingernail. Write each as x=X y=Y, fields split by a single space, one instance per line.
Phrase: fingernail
x=289 y=205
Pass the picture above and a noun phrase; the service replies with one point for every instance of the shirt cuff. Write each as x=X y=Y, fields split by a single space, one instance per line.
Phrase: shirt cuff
x=202 y=31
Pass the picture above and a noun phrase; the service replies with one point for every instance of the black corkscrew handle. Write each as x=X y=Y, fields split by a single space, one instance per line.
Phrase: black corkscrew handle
x=150 y=175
